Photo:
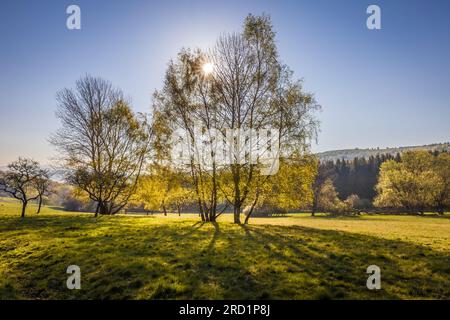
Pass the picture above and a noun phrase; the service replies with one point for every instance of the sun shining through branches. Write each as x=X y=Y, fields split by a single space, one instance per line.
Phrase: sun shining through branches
x=208 y=68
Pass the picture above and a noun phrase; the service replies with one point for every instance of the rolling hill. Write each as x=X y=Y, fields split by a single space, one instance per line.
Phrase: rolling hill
x=349 y=154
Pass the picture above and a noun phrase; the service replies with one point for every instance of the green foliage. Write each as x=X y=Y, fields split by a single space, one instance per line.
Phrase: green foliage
x=163 y=189
x=357 y=176
x=441 y=167
x=290 y=188
x=327 y=198
x=418 y=182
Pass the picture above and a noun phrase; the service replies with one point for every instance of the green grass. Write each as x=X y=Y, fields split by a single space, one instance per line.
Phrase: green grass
x=155 y=257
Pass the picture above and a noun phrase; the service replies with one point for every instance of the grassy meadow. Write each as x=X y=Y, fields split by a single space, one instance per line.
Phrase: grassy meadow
x=157 y=257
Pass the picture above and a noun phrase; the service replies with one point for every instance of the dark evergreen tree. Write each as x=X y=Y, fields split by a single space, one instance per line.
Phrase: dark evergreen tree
x=358 y=176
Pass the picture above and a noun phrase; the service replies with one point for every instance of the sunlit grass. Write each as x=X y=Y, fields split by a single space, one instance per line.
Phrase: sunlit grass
x=156 y=257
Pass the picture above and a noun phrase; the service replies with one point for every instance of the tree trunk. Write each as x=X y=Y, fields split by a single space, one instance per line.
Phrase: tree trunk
x=237 y=214
x=313 y=209
x=179 y=209
x=214 y=191
x=104 y=210
x=164 y=209
x=237 y=194
x=202 y=212
x=97 y=209
x=39 y=205
x=248 y=216
x=24 y=207
x=212 y=216
x=251 y=209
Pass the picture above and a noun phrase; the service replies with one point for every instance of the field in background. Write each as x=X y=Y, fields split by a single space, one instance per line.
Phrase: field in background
x=157 y=257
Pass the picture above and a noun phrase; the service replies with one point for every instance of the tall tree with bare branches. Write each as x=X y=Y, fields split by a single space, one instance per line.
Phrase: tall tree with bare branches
x=103 y=144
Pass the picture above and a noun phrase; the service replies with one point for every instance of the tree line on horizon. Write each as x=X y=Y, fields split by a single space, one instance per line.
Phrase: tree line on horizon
x=350 y=154
x=412 y=182
x=357 y=176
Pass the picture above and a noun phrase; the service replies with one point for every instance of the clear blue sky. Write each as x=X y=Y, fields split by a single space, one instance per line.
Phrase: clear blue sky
x=378 y=88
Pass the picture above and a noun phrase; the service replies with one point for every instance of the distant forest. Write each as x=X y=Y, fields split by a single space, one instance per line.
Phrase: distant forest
x=351 y=154
x=358 y=176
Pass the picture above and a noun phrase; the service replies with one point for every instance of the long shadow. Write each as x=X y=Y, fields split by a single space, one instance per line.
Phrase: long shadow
x=215 y=236
x=180 y=261
x=356 y=250
x=194 y=228
x=33 y=222
x=276 y=245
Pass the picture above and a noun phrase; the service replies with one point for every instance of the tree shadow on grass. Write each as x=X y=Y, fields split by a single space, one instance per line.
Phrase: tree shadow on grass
x=214 y=237
x=296 y=262
x=338 y=260
x=194 y=227
x=39 y=222
x=226 y=261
